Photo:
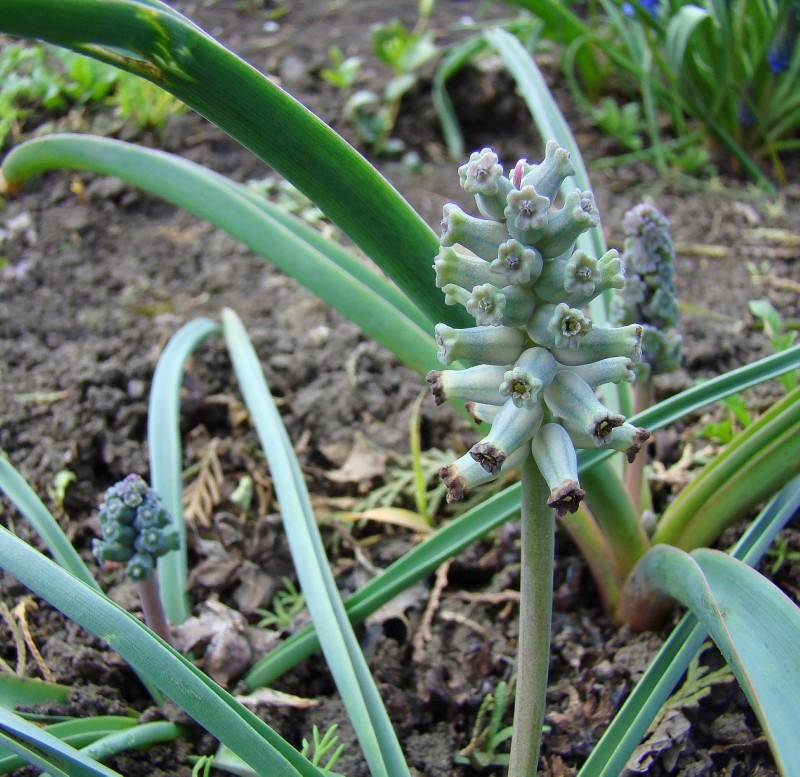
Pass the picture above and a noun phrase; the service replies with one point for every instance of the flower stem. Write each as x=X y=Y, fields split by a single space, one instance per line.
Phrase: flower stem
x=536 y=606
x=153 y=609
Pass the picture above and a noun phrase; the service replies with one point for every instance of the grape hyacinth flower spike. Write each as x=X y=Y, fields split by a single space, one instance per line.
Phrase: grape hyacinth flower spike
x=516 y=271
x=537 y=359
x=137 y=530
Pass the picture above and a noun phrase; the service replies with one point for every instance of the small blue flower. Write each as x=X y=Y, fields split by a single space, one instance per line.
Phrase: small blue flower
x=779 y=58
x=651 y=6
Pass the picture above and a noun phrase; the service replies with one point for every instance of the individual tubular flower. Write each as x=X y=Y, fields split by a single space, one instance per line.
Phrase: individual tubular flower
x=531 y=327
x=573 y=402
x=483 y=177
x=481 y=236
x=559 y=326
x=462 y=269
x=511 y=428
x=649 y=295
x=481 y=383
x=615 y=369
x=465 y=473
x=533 y=371
x=487 y=344
x=555 y=457
x=604 y=342
x=526 y=214
x=490 y=306
x=136 y=528
x=566 y=225
x=548 y=176
x=516 y=264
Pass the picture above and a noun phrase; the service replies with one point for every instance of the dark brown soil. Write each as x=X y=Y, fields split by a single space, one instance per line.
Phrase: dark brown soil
x=99 y=276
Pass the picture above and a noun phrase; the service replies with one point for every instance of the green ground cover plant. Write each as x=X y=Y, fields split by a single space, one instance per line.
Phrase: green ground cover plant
x=716 y=72
x=514 y=302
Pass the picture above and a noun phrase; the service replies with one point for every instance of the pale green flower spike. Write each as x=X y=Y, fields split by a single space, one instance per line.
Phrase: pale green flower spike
x=649 y=295
x=539 y=357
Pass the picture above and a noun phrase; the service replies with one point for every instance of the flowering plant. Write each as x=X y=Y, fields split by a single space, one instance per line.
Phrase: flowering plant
x=731 y=69
x=540 y=354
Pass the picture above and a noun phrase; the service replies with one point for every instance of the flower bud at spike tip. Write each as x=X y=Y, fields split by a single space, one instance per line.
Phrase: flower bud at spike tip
x=555 y=456
x=565 y=226
x=483 y=177
x=139 y=532
x=548 y=176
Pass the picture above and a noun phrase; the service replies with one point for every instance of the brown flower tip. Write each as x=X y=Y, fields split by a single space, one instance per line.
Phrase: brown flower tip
x=456 y=485
x=605 y=425
x=489 y=456
x=638 y=440
x=434 y=378
x=566 y=498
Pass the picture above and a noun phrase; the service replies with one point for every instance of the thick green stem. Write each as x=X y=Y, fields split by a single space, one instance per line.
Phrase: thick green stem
x=536 y=607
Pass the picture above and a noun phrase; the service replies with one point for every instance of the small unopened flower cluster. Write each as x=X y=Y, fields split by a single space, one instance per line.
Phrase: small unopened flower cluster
x=539 y=357
x=136 y=528
x=649 y=294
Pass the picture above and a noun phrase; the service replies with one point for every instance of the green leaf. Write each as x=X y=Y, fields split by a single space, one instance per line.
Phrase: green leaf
x=39 y=747
x=211 y=706
x=28 y=503
x=154 y=41
x=631 y=723
x=459 y=533
x=15 y=690
x=755 y=626
x=337 y=277
x=339 y=643
x=166 y=456
x=681 y=27
x=77 y=733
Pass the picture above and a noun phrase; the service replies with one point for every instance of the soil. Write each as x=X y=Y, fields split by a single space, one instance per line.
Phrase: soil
x=99 y=276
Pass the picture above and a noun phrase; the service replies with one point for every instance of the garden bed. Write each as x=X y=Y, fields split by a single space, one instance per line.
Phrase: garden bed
x=99 y=276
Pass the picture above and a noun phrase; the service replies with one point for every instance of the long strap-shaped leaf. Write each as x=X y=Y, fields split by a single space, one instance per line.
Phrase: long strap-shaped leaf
x=339 y=643
x=16 y=488
x=161 y=45
x=630 y=724
x=205 y=701
x=755 y=626
x=479 y=521
x=46 y=751
x=197 y=189
x=166 y=456
x=346 y=284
